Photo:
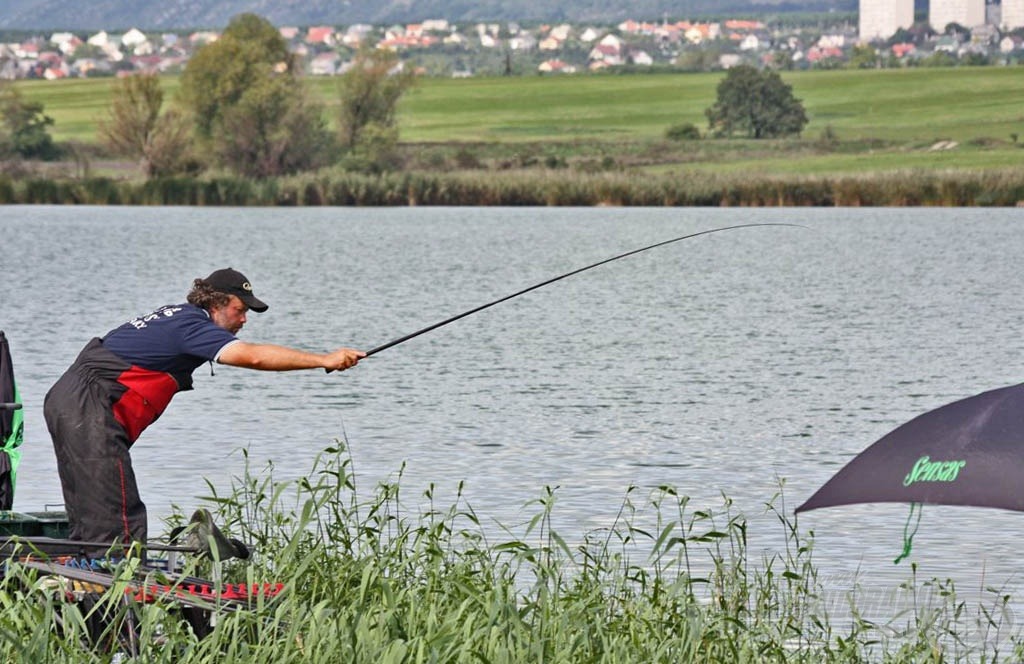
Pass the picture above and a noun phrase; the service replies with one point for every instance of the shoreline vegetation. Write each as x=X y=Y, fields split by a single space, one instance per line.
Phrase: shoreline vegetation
x=1004 y=187
x=368 y=578
x=906 y=137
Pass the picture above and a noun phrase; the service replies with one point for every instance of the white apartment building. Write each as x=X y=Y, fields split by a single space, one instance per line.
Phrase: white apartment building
x=1013 y=14
x=967 y=13
x=880 y=19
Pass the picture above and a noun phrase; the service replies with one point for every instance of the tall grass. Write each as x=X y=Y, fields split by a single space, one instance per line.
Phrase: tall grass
x=536 y=188
x=367 y=581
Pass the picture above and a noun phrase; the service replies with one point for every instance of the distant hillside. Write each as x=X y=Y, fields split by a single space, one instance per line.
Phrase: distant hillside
x=215 y=14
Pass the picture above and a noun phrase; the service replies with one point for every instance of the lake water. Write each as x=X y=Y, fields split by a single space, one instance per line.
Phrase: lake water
x=718 y=365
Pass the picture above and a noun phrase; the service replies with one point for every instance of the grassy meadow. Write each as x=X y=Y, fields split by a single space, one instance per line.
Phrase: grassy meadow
x=900 y=105
x=879 y=120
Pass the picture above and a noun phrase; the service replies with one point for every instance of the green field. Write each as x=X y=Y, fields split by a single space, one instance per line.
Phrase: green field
x=884 y=119
x=901 y=105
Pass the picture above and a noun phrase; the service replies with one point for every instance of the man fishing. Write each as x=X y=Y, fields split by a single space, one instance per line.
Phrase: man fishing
x=121 y=383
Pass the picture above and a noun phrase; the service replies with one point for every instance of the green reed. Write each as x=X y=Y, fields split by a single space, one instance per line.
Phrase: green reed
x=368 y=580
x=534 y=187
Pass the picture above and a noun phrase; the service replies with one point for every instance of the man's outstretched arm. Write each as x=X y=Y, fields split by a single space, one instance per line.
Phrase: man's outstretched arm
x=270 y=357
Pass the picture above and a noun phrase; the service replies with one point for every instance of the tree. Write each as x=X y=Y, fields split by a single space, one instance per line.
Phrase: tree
x=273 y=130
x=915 y=34
x=699 y=59
x=958 y=31
x=135 y=127
x=220 y=72
x=249 y=104
x=938 y=59
x=757 y=104
x=24 y=126
x=370 y=91
x=864 y=56
x=782 y=60
x=171 y=148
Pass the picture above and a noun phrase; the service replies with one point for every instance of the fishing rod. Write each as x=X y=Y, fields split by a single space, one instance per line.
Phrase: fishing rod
x=13 y=541
x=412 y=335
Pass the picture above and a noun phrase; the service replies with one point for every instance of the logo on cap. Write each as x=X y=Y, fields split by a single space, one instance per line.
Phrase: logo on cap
x=246 y=286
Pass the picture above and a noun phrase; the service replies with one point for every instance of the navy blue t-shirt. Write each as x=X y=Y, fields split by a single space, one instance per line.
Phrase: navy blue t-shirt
x=175 y=339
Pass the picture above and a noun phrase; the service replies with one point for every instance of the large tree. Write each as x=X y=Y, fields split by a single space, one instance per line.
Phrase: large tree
x=135 y=127
x=216 y=77
x=249 y=102
x=370 y=91
x=272 y=130
x=756 y=104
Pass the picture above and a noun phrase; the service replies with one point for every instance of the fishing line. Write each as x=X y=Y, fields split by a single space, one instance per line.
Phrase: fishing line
x=908 y=534
x=413 y=335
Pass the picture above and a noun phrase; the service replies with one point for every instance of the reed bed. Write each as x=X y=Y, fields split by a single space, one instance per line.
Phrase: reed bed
x=367 y=581
x=534 y=188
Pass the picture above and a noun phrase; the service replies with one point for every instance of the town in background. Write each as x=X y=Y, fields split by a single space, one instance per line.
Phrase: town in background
x=883 y=33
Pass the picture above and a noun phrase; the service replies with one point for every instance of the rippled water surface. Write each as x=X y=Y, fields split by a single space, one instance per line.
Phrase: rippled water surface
x=721 y=364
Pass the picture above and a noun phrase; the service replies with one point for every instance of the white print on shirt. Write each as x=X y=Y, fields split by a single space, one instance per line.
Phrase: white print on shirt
x=166 y=312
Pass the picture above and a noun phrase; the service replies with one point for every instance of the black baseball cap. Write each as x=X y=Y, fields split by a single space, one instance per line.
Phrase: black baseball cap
x=233 y=282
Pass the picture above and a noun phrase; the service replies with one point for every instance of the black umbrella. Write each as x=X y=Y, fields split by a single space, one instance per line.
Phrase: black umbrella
x=969 y=452
x=11 y=426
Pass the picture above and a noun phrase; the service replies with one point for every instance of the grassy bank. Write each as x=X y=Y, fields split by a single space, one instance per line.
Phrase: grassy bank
x=366 y=579
x=889 y=137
